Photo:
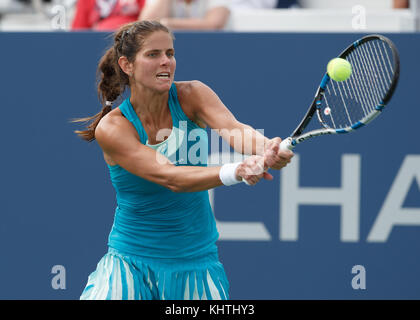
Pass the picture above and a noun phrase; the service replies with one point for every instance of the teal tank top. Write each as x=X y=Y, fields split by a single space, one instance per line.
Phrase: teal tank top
x=152 y=221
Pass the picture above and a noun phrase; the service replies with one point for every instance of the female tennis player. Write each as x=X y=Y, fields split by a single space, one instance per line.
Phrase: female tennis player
x=162 y=244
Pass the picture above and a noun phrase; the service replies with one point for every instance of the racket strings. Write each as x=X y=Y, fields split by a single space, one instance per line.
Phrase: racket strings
x=346 y=103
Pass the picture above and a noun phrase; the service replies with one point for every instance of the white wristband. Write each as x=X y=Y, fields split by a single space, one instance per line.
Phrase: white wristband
x=227 y=174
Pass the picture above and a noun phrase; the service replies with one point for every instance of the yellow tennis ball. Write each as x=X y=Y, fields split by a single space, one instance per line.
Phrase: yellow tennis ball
x=339 y=69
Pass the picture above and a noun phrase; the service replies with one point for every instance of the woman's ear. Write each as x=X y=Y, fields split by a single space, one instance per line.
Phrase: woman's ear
x=125 y=65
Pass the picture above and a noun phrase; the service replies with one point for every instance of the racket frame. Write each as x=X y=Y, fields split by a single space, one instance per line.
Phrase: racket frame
x=297 y=136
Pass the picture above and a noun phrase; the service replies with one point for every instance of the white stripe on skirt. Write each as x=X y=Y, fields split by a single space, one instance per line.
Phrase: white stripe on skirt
x=118 y=277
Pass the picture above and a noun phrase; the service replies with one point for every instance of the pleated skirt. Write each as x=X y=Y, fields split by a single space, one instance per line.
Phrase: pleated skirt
x=120 y=276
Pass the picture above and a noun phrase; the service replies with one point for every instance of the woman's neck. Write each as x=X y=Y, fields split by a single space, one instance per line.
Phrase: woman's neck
x=151 y=106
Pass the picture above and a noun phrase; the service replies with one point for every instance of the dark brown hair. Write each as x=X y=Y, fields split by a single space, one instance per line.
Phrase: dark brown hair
x=112 y=81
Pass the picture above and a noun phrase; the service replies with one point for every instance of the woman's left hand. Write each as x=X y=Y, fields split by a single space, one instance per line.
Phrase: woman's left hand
x=274 y=158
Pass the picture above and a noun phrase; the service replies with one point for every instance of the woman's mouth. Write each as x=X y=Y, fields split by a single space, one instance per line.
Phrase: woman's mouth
x=164 y=76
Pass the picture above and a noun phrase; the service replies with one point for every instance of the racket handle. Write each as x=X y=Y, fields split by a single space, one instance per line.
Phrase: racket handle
x=286 y=144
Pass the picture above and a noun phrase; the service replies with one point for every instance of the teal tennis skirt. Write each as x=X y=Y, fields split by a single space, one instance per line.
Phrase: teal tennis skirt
x=121 y=276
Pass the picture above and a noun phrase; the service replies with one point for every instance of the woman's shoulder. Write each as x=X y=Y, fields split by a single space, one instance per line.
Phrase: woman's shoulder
x=190 y=96
x=114 y=117
x=188 y=87
x=192 y=91
x=113 y=120
x=109 y=130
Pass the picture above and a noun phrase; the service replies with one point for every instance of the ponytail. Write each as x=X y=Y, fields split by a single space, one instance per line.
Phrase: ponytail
x=110 y=87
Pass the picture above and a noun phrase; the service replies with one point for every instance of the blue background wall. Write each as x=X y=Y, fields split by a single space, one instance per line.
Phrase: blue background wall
x=57 y=203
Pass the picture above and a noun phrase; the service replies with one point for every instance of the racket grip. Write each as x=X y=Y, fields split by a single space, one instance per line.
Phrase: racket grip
x=286 y=144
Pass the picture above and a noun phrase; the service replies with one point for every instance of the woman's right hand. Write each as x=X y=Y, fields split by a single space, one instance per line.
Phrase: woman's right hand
x=252 y=169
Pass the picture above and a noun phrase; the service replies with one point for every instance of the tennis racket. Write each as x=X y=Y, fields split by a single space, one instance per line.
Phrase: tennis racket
x=345 y=106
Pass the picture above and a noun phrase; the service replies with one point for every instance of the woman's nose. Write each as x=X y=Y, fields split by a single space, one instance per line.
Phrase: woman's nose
x=165 y=60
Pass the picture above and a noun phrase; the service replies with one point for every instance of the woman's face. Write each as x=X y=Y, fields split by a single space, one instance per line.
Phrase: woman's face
x=154 y=65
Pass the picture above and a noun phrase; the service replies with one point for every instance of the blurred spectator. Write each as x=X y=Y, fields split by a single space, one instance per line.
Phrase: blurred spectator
x=24 y=1
x=400 y=4
x=263 y=4
x=283 y=4
x=254 y=4
x=188 y=14
x=105 y=15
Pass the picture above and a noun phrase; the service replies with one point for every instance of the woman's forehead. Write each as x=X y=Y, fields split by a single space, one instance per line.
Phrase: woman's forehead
x=158 y=40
